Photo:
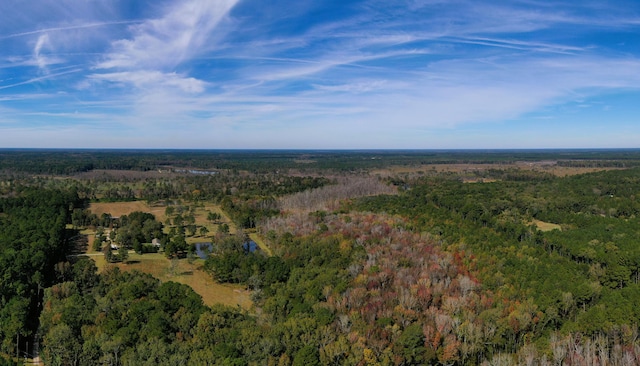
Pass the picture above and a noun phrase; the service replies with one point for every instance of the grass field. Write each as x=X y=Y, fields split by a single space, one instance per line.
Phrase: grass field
x=546 y=226
x=181 y=270
x=117 y=209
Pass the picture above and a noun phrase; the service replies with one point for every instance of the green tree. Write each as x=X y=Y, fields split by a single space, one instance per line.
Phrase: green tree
x=108 y=254
x=410 y=345
x=85 y=274
x=63 y=348
x=97 y=242
x=123 y=253
x=213 y=216
x=307 y=356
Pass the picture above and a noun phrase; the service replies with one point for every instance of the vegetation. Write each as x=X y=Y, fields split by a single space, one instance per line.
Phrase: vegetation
x=373 y=257
x=33 y=242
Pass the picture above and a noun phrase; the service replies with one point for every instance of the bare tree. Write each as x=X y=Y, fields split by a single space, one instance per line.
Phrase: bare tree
x=328 y=197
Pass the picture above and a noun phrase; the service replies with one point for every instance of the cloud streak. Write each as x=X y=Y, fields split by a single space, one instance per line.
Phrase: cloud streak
x=167 y=41
x=149 y=80
x=42 y=78
x=68 y=28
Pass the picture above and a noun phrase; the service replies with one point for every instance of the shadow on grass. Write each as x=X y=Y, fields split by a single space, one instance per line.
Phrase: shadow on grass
x=132 y=262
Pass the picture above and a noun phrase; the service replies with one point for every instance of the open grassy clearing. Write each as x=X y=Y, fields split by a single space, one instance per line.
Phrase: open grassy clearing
x=546 y=226
x=191 y=274
x=177 y=270
x=117 y=209
x=181 y=271
x=200 y=215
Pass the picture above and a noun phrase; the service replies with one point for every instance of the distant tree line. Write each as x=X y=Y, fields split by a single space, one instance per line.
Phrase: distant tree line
x=65 y=162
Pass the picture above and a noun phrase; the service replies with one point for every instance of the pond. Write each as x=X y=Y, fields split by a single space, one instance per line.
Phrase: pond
x=250 y=246
x=203 y=249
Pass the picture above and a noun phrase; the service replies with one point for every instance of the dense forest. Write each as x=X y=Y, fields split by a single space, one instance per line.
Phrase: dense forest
x=33 y=243
x=376 y=257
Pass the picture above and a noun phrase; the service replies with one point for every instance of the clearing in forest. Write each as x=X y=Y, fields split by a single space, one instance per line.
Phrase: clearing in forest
x=117 y=209
x=181 y=271
x=177 y=270
x=546 y=226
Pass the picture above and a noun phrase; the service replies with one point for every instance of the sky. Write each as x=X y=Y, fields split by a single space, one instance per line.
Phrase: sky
x=309 y=74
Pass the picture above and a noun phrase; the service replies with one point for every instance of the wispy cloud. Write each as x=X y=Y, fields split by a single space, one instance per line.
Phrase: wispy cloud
x=148 y=58
x=148 y=80
x=165 y=42
x=68 y=28
x=531 y=46
x=41 y=78
x=41 y=59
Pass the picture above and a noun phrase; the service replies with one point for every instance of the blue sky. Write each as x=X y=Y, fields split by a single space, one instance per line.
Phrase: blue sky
x=212 y=74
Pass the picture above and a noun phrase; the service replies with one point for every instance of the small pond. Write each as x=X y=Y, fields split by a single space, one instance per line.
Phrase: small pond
x=203 y=249
x=250 y=246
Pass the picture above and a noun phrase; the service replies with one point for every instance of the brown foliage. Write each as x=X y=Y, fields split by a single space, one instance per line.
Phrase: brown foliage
x=328 y=197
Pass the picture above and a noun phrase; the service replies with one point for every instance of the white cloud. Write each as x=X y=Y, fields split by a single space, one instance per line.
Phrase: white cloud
x=357 y=86
x=151 y=80
x=40 y=59
x=167 y=41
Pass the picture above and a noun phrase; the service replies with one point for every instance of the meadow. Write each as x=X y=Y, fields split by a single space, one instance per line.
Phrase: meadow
x=185 y=271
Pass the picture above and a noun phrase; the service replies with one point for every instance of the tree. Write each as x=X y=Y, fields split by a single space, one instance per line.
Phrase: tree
x=137 y=246
x=97 y=242
x=63 y=348
x=617 y=276
x=123 y=253
x=85 y=274
x=307 y=356
x=108 y=254
x=223 y=229
x=213 y=217
x=410 y=345
x=192 y=228
x=203 y=231
x=176 y=246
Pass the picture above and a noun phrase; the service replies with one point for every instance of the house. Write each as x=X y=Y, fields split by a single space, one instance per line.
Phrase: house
x=155 y=242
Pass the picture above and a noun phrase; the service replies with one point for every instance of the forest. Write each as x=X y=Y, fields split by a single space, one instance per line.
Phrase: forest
x=366 y=257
